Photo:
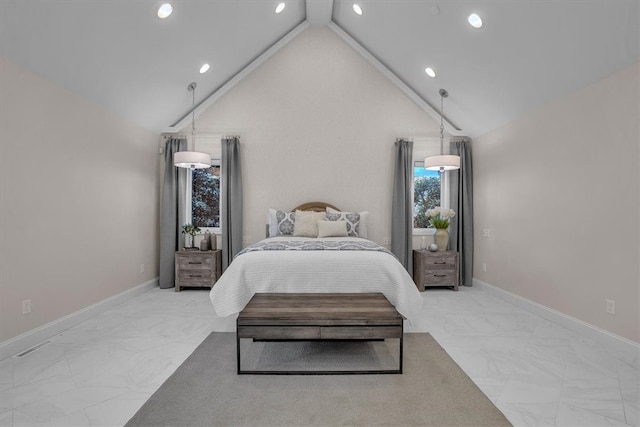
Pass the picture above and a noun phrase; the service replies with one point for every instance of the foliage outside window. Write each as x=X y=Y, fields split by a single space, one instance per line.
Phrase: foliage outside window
x=426 y=194
x=205 y=197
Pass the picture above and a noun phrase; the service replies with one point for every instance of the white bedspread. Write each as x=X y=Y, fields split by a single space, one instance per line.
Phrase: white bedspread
x=321 y=271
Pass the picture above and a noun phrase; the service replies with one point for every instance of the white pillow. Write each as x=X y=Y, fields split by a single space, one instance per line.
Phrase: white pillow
x=306 y=223
x=363 y=228
x=332 y=229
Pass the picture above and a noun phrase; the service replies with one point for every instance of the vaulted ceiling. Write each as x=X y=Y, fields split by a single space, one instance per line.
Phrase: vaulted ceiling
x=119 y=54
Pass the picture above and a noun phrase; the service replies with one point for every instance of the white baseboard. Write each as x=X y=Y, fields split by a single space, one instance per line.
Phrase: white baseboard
x=625 y=349
x=30 y=338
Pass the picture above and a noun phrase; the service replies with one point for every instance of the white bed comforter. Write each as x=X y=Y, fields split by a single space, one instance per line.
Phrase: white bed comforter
x=321 y=271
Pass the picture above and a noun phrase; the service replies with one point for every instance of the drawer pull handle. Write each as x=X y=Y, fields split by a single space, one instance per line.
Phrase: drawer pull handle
x=440 y=262
x=195 y=275
x=194 y=262
x=439 y=275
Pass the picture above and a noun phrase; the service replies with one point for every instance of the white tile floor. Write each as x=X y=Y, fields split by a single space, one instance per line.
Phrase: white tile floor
x=100 y=372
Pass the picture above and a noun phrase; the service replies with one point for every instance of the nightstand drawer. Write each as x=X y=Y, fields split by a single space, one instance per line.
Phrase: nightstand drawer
x=196 y=277
x=444 y=261
x=195 y=262
x=440 y=278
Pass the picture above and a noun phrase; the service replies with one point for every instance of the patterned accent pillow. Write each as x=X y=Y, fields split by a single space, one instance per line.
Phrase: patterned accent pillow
x=284 y=223
x=363 y=228
x=352 y=219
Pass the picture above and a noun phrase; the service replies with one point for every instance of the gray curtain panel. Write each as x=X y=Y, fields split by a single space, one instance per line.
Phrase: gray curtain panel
x=231 y=199
x=170 y=232
x=401 y=208
x=461 y=237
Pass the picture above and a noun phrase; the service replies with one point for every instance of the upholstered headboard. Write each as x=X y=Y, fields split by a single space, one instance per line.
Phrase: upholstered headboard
x=309 y=206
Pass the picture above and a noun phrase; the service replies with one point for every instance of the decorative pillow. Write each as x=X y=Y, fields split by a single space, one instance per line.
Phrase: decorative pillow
x=363 y=229
x=281 y=223
x=351 y=218
x=306 y=223
x=332 y=229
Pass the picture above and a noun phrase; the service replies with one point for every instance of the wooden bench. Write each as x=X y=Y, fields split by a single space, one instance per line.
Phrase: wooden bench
x=329 y=316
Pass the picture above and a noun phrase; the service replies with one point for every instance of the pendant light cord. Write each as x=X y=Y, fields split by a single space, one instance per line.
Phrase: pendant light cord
x=193 y=112
x=192 y=88
x=443 y=94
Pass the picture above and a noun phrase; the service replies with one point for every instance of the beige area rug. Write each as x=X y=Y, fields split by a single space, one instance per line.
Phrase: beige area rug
x=206 y=391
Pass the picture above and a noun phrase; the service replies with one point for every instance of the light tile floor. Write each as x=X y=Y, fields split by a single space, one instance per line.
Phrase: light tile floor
x=100 y=372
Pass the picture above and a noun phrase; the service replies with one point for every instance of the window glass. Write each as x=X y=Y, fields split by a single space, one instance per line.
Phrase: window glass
x=205 y=197
x=426 y=193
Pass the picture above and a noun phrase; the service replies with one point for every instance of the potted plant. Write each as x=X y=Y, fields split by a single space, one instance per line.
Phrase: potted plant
x=191 y=230
x=439 y=219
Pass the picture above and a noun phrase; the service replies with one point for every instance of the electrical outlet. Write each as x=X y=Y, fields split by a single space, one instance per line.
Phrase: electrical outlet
x=246 y=240
x=611 y=306
x=26 y=306
x=486 y=232
x=484 y=267
x=386 y=240
x=141 y=268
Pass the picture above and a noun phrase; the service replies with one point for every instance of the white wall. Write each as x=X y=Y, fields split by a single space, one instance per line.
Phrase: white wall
x=559 y=191
x=78 y=202
x=317 y=122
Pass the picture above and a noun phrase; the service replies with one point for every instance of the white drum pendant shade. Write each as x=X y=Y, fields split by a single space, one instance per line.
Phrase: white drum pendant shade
x=192 y=160
x=443 y=162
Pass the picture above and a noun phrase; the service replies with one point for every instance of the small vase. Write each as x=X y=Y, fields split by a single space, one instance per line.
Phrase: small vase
x=442 y=239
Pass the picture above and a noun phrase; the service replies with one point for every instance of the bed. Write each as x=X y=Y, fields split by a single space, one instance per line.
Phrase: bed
x=309 y=264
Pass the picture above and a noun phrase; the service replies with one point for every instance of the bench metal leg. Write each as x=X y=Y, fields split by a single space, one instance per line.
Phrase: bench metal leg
x=356 y=372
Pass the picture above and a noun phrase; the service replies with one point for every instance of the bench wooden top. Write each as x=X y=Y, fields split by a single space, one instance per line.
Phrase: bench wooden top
x=320 y=309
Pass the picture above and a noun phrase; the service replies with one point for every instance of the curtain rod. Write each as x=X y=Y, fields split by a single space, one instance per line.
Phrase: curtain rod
x=181 y=135
x=173 y=135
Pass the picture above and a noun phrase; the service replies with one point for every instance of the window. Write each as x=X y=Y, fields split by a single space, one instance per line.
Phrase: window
x=205 y=197
x=426 y=193
x=430 y=188
x=203 y=187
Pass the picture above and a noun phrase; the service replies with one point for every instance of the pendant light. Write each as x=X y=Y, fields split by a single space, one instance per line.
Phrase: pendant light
x=443 y=162
x=192 y=159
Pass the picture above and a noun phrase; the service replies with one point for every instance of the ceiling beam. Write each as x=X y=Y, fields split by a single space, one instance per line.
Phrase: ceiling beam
x=319 y=12
x=448 y=125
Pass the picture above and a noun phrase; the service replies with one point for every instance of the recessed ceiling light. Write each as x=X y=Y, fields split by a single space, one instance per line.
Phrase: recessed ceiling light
x=357 y=9
x=474 y=20
x=430 y=72
x=204 y=68
x=280 y=7
x=165 y=10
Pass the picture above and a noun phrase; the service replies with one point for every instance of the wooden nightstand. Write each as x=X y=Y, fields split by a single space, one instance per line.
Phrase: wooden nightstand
x=435 y=269
x=197 y=268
